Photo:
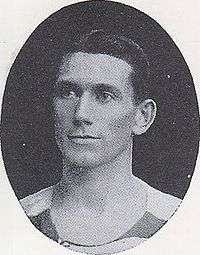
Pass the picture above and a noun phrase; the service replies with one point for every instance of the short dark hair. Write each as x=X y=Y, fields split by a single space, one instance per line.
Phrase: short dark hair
x=99 y=41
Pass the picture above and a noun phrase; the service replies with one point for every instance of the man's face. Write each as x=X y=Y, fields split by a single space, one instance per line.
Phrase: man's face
x=94 y=108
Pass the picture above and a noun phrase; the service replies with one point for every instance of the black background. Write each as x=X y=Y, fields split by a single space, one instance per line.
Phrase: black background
x=163 y=157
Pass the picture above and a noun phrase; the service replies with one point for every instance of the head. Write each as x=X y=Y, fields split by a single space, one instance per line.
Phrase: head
x=101 y=99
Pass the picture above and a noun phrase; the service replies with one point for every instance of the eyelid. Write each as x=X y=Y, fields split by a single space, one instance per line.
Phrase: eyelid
x=114 y=93
x=104 y=96
x=64 y=86
x=109 y=93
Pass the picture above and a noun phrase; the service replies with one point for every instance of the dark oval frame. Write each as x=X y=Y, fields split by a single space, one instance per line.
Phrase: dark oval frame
x=164 y=157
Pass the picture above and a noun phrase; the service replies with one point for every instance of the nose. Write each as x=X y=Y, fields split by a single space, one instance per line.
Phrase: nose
x=83 y=110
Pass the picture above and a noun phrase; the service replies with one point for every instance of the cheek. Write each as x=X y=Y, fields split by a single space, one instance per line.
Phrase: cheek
x=121 y=124
x=63 y=112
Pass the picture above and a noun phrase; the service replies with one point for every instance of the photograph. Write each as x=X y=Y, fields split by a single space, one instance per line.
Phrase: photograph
x=99 y=127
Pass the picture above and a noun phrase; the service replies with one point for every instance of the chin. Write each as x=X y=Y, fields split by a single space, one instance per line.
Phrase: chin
x=85 y=160
x=90 y=157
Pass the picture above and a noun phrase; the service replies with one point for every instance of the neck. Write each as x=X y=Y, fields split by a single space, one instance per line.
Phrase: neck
x=97 y=187
x=107 y=176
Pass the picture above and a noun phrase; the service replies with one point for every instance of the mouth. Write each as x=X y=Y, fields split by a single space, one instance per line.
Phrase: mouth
x=83 y=139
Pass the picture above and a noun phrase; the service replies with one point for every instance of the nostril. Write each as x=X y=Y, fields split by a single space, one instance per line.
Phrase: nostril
x=77 y=122
x=88 y=122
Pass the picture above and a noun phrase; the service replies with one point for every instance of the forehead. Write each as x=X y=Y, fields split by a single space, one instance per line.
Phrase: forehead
x=95 y=68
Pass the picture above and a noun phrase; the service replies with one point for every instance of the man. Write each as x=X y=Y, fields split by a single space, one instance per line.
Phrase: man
x=101 y=102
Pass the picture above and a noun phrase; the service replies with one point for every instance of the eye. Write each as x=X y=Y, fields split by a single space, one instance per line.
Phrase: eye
x=105 y=96
x=65 y=92
x=69 y=93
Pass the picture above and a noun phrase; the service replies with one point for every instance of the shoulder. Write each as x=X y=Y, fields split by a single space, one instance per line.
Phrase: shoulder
x=38 y=202
x=160 y=204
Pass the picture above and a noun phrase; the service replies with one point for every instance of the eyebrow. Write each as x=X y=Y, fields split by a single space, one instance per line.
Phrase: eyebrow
x=66 y=84
x=108 y=88
x=61 y=83
x=60 y=87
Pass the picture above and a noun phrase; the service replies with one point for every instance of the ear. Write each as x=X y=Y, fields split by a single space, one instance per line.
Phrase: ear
x=144 y=116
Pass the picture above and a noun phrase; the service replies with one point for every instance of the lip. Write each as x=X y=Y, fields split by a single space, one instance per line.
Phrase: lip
x=83 y=139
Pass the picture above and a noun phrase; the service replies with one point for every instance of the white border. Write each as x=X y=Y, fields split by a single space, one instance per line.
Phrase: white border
x=181 y=20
